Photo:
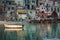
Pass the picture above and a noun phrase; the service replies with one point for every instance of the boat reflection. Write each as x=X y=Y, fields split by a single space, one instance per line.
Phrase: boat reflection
x=32 y=31
x=48 y=27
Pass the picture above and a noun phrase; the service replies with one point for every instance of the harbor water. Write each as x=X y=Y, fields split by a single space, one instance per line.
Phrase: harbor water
x=44 y=31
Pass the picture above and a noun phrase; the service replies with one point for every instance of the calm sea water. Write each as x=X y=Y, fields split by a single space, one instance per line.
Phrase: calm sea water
x=47 y=31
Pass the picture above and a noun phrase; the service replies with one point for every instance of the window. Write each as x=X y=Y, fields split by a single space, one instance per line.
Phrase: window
x=9 y=2
x=12 y=8
x=28 y=1
x=42 y=7
x=19 y=13
x=41 y=3
x=31 y=12
x=18 y=2
x=47 y=9
x=58 y=9
x=8 y=8
x=51 y=9
x=33 y=1
x=55 y=8
x=33 y=7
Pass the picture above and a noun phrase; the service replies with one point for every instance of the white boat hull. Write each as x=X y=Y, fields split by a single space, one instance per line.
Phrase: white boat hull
x=13 y=27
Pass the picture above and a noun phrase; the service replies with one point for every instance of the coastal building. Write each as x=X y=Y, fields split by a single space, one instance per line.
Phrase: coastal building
x=21 y=14
x=30 y=4
x=2 y=11
x=20 y=2
x=31 y=14
x=10 y=6
x=51 y=5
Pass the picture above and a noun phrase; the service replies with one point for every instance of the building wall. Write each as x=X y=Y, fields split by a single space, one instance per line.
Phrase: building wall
x=21 y=16
x=30 y=3
x=31 y=14
x=21 y=2
x=9 y=9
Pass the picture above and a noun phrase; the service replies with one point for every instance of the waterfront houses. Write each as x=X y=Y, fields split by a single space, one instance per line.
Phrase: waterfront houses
x=10 y=9
x=30 y=20
x=31 y=7
x=2 y=11
x=10 y=6
x=31 y=14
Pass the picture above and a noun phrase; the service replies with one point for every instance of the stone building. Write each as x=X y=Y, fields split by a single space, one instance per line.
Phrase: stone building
x=2 y=11
x=10 y=6
x=30 y=4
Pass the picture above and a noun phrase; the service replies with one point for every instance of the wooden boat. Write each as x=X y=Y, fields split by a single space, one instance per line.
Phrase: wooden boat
x=13 y=27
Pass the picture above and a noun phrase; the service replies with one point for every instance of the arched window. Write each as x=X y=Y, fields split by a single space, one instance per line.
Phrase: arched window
x=58 y=9
x=55 y=8
x=51 y=9
x=8 y=8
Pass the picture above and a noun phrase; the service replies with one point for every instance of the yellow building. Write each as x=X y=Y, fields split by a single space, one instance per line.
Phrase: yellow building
x=21 y=14
x=21 y=11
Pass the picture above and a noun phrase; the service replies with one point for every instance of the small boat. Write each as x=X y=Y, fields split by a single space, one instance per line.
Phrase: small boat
x=13 y=27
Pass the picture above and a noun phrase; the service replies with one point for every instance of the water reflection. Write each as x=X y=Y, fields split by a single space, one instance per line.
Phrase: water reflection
x=54 y=30
x=32 y=32
x=10 y=35
x=1 y=32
